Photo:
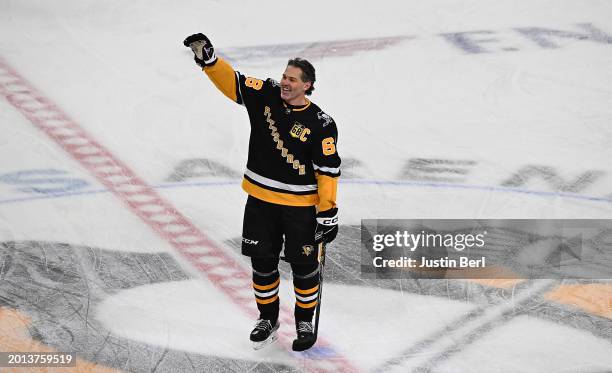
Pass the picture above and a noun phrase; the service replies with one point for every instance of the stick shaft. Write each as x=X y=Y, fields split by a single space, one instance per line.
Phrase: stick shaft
x=320 y=297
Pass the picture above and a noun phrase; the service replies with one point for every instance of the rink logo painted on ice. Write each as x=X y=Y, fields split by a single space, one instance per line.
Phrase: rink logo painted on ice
x=428 y=170
x=49 y=293
x=489 y=41
x=470 y=42
x=312 y=50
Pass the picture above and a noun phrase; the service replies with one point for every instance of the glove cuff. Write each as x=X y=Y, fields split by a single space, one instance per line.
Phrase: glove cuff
x=212 y=60
x=204 y=64
x=328 y=217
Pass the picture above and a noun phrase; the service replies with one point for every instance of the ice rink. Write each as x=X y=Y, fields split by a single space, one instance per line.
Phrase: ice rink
x=120 y=199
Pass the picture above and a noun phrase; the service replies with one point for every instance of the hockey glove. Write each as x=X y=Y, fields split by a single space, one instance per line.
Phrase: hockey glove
x=202 y=49
x=327 y=226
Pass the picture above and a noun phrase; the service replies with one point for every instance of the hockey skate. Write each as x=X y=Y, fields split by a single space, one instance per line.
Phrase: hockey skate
x=305 y=336
x=264 y=333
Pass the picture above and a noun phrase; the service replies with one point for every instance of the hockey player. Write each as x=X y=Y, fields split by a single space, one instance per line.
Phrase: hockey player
x=291 y=179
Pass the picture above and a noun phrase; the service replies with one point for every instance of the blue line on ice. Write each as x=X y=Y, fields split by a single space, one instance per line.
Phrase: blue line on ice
x=349 y=181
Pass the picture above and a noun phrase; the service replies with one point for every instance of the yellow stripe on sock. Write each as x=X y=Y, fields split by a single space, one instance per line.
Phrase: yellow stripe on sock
x=306 y=305
x=266 y=301
x=306 y=292
x=267 y=287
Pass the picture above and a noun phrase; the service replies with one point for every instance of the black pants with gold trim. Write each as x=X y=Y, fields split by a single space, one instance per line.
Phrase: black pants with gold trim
x=268 y=227
x=266 y=281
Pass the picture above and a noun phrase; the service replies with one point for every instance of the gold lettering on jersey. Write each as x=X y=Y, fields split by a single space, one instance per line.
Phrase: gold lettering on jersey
x=303 y=135
x=298 y=131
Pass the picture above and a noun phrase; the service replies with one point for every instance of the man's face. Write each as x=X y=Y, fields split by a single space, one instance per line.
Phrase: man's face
x=292 y=86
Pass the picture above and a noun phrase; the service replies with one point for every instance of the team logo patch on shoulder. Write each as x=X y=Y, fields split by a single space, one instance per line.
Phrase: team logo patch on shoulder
x=299 y=131
x=273 y=82
x=307 y=249
x=324 y=117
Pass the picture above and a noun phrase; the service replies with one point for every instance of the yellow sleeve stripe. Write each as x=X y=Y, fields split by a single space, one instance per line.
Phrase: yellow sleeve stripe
x=266 y=301
x=306 y=305
x=305 y=292
x=267 y=287
x=224 y=78
x=327 y=187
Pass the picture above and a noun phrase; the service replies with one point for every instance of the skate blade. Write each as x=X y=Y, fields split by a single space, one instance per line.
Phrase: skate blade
x=271 y=339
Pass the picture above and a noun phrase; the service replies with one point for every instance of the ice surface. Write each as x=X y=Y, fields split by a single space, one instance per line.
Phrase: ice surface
x=445 y=109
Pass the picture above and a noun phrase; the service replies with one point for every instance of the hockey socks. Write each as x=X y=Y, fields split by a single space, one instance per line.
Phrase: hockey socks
x=266 y=280
x=306 y=287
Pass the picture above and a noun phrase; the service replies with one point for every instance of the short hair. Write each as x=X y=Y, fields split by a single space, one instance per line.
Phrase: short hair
x=308 y=72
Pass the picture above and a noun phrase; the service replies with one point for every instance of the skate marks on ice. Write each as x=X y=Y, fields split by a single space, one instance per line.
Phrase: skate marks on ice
x=60 y=287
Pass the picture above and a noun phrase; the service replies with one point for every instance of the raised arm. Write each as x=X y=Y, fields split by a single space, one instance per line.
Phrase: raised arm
x=218 y=70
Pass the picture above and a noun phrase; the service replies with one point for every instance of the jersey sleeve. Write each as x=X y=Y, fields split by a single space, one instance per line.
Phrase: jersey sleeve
x=237 y=87
x=225 y=79
x=326 y=163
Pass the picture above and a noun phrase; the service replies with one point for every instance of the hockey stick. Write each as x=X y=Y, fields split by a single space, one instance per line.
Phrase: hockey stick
x=307 y=342
x=319 y=298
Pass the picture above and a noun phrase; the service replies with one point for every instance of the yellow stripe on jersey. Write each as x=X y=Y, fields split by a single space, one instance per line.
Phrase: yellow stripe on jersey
x=224 y=78
x=308 y=291
x=302 y=108
x=327 y=187
x=286 y=199
x=267 y=287
x=266 y=301
x=306 y=305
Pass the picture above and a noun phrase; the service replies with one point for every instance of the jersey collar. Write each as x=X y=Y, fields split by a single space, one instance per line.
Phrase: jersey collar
x=297 y=107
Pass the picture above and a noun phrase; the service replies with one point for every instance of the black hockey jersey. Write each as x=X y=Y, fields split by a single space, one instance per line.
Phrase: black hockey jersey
x=293 y=158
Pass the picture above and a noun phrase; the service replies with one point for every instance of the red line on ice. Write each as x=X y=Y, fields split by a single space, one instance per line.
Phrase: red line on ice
x=231 y=277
